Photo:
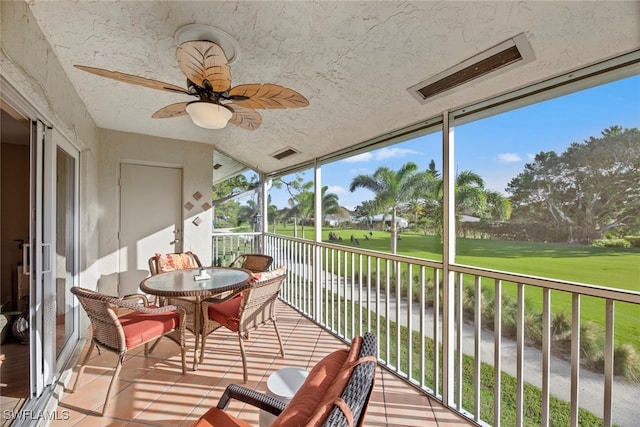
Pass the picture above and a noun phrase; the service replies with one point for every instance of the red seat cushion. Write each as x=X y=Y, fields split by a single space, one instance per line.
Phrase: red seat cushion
x=313 y=403
x=140 y=327
x=215 y=417
x=227 y=313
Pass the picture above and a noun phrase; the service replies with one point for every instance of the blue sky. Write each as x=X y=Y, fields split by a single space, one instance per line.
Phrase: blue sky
x=498 y=147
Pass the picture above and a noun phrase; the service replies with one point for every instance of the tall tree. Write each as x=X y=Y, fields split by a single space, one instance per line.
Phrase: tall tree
x=392 y=189
x=470 y=196
x=367 y=209
x=587 y=191
x=294 y=188
x=305 y=203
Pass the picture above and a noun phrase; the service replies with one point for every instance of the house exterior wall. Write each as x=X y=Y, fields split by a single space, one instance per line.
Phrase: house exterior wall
x=196 y=162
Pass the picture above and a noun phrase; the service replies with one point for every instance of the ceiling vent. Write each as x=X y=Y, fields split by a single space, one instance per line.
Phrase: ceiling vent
x=284 y=153
x=505 y=56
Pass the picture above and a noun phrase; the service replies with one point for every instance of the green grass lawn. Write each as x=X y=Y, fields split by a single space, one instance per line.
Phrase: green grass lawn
x=615 y=268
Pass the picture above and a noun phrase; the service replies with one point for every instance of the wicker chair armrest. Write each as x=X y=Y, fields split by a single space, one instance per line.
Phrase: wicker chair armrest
x=218 y=300
x=120 y=303
x=143 y=297
x=228 y=296
x=252 y=397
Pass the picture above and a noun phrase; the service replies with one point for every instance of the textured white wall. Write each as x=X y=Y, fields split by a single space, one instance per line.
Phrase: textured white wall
x=196 y=161
x=29 y=65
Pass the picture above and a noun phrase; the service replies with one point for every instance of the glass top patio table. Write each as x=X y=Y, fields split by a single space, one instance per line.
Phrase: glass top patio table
x=181 y=283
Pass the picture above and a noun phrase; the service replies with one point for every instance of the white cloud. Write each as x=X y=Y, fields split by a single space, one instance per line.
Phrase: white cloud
x=388 y=153
x=336 y=189
x=359 y=171
x=509 y=157
x=364 y=157
x=382 y=154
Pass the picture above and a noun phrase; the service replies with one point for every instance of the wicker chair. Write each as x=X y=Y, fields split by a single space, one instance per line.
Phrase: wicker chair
x=335 y=394
x=118 y=334
x=252 y=262
x=242 y=312
x=162 y=263
x=177 y=261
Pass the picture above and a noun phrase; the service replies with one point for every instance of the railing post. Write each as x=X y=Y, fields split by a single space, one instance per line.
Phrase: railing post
x=448 y=257
x=575 y=358
x=317 y=250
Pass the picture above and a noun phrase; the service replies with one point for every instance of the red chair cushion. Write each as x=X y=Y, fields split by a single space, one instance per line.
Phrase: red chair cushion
x=140 y=328
x=215 y=417
x=227 y=313
x=313 y=403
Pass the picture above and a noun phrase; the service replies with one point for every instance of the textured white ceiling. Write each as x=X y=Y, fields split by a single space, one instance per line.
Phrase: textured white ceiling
x=353 y=61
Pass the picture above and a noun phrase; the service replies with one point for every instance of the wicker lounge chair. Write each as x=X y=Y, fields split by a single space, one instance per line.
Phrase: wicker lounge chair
x=335 y=393
x=118 y=334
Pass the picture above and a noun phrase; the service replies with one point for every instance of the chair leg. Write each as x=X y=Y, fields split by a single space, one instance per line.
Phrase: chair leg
x=153 y=347
x=184 y=359
x=202 y=344
x=111 y=389
x=275 y=326
x=84 y=364
x=245 y=374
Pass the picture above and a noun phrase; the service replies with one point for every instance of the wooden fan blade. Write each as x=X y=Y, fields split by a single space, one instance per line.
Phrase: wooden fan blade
x=268 y=96
x=243 y=117
x=174 y=110
x=204 y=60
x=131 y=79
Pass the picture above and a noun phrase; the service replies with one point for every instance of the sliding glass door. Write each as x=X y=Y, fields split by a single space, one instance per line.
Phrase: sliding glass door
x=53 y=254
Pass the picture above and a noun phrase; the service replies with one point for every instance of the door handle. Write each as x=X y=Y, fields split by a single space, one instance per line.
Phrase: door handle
x=174 y=242
x=26 y=267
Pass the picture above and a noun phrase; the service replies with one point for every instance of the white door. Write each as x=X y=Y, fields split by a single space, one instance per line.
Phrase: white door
x=150 y=219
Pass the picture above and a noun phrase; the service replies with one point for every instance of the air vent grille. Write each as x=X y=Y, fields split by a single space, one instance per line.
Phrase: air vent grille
x=513 y=52
x=284 y=153
x=472 y=72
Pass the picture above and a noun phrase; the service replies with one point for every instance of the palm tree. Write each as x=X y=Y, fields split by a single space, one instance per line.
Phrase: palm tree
x=247 y=212
x=470 y=196
x=392 y=189
x=305 y=207
x=367 y=209
x=330 y=201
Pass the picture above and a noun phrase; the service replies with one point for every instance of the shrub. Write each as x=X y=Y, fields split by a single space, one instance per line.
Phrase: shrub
x=612 y=243
x=633 y=240
x=560 y=325
x=590 y=341
x=533 y=328
x=509 y=316
x=626 y=362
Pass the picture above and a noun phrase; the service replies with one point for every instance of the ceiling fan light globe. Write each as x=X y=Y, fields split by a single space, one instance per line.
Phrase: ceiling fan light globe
x=208 y=115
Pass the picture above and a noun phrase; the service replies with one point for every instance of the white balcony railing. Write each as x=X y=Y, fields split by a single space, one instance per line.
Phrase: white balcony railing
x=227 y=246
x=401 y=299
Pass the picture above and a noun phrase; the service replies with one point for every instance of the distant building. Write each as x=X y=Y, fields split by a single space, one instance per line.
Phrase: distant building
x=400 y=222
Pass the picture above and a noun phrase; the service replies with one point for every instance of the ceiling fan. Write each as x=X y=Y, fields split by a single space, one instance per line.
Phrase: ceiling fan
x=209 y=79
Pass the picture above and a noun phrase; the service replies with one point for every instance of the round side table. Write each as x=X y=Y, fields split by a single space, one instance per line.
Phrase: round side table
x=282 y=385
